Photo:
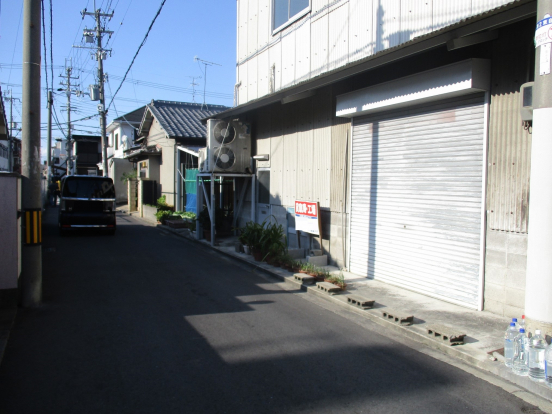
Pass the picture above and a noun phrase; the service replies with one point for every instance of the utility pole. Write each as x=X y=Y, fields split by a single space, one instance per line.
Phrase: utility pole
x=10 y=132
x=10 y=141
x=49 y=144
x=100 y=55
x=31 y=263
x=538 y=290
x=69 y=91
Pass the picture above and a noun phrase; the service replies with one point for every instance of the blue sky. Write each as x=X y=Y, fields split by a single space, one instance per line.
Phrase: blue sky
x=183 y=30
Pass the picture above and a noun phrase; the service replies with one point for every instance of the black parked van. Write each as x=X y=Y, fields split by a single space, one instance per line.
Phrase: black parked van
x=87 y=202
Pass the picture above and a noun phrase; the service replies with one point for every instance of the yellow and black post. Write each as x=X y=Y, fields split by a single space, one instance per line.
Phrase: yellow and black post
x=33 y=226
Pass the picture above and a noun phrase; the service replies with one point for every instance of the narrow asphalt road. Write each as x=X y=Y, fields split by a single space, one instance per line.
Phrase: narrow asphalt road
x=145 y=322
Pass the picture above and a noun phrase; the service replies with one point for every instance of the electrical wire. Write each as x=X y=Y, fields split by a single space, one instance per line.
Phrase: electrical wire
x=44 y=43
x=16 y=37
x=138 y=51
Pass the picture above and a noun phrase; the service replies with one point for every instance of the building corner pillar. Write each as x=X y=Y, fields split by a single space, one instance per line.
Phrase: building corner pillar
x=538 y=289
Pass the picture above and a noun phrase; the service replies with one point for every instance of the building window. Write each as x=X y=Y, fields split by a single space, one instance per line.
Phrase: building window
x=285 y=12
x=116 y=141
x=143 y=169
x=263 y=189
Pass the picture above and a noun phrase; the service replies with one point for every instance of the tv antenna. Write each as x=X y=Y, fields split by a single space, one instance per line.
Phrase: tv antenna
x=194 y=84
x=205 y=63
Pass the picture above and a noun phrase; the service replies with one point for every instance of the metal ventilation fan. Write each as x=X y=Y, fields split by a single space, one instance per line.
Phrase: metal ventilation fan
x=224 y=158
x=224 y=133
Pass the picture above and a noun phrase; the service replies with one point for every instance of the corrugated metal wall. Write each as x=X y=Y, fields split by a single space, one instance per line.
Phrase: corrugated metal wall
x=307 y=147
x=333 y=34
x=509 y=159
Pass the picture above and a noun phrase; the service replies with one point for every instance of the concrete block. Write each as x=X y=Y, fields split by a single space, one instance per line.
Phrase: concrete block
x=514 y=297
x=497 y=240
x=318 y=260
x=515 y=279
x=359 y=301
x=494 y=292
x=495 y=275
x=315 y=252
x=328 y=287
x=517 y=244
x=446 y=334
x=495 y=258
x=398 y=317
x=493 y=306
x=304 y=278
x=296 y=253
x=517 y=262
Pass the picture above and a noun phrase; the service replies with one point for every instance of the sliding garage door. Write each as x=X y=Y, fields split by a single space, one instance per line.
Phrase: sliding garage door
x=417 y=198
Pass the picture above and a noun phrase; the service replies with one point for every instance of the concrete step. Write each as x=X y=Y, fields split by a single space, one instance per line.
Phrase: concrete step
x=398 y=317
x=304 y=278
x=328 y=287
x=360 y=301
x=447 y=334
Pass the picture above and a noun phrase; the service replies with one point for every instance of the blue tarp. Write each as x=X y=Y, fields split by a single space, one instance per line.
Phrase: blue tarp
x=191 y=202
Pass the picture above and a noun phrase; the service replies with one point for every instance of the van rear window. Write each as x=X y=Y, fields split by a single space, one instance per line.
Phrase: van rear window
x=88 y=188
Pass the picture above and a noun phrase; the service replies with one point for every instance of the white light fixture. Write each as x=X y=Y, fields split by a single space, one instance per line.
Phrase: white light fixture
x=262 y=157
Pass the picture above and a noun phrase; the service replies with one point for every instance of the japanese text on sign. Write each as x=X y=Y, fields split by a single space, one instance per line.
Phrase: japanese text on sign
x=543 y=33
x=306 y=217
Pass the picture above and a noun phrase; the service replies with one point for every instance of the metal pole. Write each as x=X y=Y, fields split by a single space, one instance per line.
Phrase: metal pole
x=49 y=143
x=538 y=288
x=69 y=144
x=31 y=263
x=213 y=208
x=102 y=94
x=10 y=139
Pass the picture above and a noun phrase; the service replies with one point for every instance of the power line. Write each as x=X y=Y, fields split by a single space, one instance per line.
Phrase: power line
x=44 y=43
x=138 y=51
x=16 y=36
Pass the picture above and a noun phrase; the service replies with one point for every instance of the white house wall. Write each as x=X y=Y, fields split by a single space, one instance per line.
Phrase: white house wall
x=333 y=34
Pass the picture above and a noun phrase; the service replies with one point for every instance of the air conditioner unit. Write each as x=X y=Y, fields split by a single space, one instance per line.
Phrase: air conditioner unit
x=202 y=160
x=228 y=146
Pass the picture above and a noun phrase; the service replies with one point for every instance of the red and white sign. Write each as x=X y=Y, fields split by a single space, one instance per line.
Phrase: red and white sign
x=306 y=217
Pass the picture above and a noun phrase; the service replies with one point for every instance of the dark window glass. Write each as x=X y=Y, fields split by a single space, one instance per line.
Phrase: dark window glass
x=281 y=12
x=296 y=6
x=264 y=187
x=116 y=141
x=88 y=187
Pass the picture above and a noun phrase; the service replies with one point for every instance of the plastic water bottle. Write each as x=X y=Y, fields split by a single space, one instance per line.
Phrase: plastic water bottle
x=520 y=362
x=509 y=337
x=537 y=348
x=521 y=323
x=514 y=320
x=548 y=366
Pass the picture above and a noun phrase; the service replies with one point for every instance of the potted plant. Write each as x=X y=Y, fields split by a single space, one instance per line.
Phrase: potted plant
x=250 y=237
x=272 y=242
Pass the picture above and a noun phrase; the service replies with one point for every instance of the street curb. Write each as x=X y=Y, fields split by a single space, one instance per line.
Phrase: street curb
x=408 y=332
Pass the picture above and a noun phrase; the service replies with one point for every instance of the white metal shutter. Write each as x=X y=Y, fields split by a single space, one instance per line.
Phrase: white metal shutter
x=416 y=207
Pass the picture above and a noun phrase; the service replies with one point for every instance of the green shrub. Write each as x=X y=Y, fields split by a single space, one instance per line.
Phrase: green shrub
x=162 y=215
